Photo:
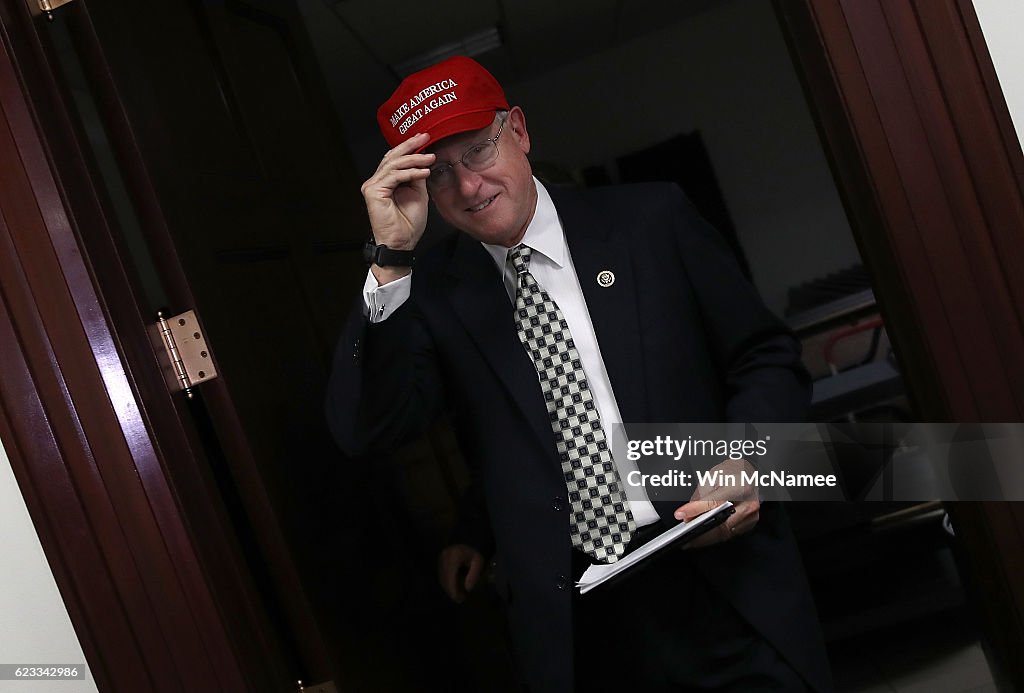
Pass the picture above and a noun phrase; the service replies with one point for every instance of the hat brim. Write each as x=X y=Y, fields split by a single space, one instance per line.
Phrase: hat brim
x=464 y=122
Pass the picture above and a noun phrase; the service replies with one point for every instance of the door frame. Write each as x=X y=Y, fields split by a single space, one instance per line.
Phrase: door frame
x=931 y=173
x=143 y=552
x=930 y=170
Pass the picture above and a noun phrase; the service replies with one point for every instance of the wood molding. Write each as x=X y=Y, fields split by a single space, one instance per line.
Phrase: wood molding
x=840 y=99
x=908 y=103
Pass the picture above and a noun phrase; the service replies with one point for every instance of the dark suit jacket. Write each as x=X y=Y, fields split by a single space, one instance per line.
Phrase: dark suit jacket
x=685 y=339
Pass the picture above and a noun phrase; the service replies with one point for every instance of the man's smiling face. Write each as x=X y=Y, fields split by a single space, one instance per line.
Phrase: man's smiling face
x=494 y=205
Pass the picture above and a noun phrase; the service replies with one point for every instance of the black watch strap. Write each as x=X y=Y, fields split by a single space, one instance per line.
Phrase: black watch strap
x=383 y=256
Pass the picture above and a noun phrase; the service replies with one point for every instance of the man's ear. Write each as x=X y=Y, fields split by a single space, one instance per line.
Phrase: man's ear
x=517 y=123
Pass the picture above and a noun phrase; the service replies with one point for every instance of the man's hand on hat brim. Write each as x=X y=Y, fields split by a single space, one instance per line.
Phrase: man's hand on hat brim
x=396 y=194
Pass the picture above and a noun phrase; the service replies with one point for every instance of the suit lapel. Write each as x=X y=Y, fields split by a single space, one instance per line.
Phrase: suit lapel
x=479 y=300
x=477 y=290
x=595 y=248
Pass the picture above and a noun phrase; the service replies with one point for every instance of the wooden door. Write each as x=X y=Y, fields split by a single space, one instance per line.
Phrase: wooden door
x=230 y=192
x=932 y=173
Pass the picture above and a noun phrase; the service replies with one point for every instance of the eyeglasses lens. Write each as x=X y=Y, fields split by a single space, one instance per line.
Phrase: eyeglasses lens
x=477 y=158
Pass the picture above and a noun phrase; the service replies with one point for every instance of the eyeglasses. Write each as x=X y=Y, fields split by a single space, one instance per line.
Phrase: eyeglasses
x=479 y=157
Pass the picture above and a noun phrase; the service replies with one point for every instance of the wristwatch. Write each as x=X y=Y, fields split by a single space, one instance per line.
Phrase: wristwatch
x=383 y=256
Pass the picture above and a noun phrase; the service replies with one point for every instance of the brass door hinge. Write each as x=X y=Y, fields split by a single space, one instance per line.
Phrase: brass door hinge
x=189 y=361
x=48 y=6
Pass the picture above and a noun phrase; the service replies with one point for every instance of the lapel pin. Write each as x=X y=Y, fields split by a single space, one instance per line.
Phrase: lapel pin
x=605 y=278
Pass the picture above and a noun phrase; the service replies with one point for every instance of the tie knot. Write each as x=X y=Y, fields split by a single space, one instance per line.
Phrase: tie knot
x=520 y=258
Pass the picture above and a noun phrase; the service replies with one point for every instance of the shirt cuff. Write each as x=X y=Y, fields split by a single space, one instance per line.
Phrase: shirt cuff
x=382 y=301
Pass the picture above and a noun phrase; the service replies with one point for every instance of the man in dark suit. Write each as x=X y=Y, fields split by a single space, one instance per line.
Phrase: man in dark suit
x=552 y=317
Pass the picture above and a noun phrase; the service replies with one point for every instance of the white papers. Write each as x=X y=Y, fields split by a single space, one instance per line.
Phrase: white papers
x=600 y=573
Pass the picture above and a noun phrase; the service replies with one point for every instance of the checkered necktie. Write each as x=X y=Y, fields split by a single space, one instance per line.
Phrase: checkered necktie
x=601 y=522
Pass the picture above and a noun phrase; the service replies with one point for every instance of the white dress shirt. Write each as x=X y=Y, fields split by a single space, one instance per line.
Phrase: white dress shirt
x=551 y=265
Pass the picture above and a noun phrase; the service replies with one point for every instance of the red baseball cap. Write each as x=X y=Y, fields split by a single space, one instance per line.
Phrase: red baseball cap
x=453 y=96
